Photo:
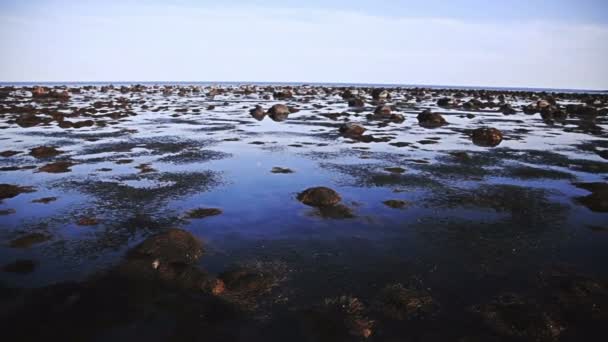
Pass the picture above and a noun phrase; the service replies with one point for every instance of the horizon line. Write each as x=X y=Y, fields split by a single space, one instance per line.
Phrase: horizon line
x=440 y=86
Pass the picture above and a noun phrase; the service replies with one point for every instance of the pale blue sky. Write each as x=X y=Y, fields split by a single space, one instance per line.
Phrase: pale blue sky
x=521 y=43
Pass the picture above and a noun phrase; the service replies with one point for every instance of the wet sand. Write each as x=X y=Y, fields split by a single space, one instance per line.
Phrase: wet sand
x=303 y=213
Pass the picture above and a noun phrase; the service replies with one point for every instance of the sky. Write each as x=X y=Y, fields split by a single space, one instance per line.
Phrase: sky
x=516 y=43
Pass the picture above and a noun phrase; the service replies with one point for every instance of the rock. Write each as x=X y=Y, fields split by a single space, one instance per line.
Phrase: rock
x=247 y=280
x=8 y=153
x=598 y=199
x=396 y=118
x=87 y=221
x=145 y=168
x=383 y=112
x=10 y=191
x=553 y=114
x=27 y=120
x=487 y=137
x=202 y=213
x=356 y=102
x=57 y=167
x=401 y=303
x=45 y=152
x=278 y=112
x=444 y=102
x=45 y=200
x=282 y=95
x=277 y=169
x=429 y=119
x=319 y=197
x=511 y=316
x=396 y=204
x=506 y=109
x=258 y=113
x=20 y=266
x=173 y=246
x=350 y=129
x=29 y=240
x=339 y=319
x=380 y=94
x=582 y=110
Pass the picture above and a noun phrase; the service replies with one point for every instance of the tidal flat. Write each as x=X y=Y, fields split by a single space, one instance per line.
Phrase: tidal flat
x=302 y=213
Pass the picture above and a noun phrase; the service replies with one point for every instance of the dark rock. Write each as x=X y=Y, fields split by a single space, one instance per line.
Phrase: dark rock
x=319 y=197
x=8 y=153
x=29 y=240
x=258 y=113
x=598 y=199
x=396 y=204
x=277 y=169
x=380 y=94
x=511 y=316
x=20 y=266
x=339 y=319
x=57 y=167
x=173 y=246
x=356 y=102
x=383 y=112
x=45 y=200
x=350 y=129
x=45 y=152
x=401 y=303
x=429 y=119
x=487 y=137
x=87 y=221
x=10 y=191
x=202 y=213
x=278 y=112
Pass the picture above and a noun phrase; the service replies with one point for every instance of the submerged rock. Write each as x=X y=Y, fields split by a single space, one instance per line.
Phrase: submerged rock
x=10 y=190
x=203 y=212
x=29 y=240
x=173 y=246
x=277 y=169
x=487 y=137
x=401 y=303
x=319 y=197
x=20 y=266
x=339 y=319
x=396 y=204
x=45 y=152
x=57 y=167
x=511 y=316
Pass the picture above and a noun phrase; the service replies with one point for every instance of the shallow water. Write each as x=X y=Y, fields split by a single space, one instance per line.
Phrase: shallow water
x=473 y=229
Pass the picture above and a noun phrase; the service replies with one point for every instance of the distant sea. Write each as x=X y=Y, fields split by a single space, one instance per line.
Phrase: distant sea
x=376 y=85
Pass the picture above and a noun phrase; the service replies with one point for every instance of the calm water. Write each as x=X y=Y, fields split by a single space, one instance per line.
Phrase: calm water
x=473 y=228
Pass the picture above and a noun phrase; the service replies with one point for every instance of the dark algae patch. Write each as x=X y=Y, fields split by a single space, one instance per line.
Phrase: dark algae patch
x=196 y=212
